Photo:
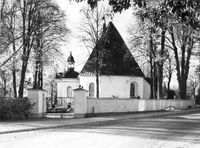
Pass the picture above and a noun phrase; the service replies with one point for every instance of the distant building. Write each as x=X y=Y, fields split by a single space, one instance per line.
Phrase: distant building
x=68 y=80
x=119 y=74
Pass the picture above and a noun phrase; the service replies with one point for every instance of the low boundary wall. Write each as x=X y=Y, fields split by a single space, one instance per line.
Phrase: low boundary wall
x=117 y=105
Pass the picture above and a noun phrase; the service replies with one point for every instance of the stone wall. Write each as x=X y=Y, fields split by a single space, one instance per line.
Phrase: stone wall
x=116 y=105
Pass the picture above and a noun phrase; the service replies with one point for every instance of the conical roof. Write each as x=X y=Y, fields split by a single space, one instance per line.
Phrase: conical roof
x=114 y=56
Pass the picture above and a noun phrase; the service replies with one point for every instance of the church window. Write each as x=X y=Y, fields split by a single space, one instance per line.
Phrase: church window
x=91 y=89
x=132 y=90
x=69 y=91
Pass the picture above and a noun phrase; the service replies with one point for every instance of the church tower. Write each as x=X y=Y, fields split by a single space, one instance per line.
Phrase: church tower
x=70 y=72
x=70 y=62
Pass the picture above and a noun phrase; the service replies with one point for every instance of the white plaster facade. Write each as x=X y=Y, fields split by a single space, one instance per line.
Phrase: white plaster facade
x=109 y=86
x=63 y=84
x=117 y=86
x=146 y=89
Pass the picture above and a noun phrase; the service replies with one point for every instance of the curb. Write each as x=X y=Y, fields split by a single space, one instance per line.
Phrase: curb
x=106 y=122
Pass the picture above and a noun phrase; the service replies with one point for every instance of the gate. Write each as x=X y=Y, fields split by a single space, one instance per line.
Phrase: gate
x=60 y=106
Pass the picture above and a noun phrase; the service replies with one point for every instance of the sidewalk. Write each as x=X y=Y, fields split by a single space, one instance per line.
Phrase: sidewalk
x=41 y=124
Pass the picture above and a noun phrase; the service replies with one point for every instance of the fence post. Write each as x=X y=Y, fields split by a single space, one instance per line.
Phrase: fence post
x=80 y=102
x=38 y=97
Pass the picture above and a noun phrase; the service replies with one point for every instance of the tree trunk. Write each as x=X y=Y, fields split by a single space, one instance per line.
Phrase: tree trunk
x=176 y=55
x=35 y=85
x=161 y=63
x=24 y=61
x=23 y=73
x=4 y=92
x=27 y=43
x=14 y=82
x=183 y=68
x=41 y=77
x=97 y=51
x=2 y=7
x=168 y=84
x=12 y=28
x=155 y=80
x=183 y=89
x=14 y=73
x=183 y=81
x=152 y=77
x=151 y=49
x=97 y=71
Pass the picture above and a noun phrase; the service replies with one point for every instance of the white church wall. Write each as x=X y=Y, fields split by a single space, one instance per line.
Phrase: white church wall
x=147 y=89
x=85 y=82
x=116 y=86
x=119 y=86
x=63 y=84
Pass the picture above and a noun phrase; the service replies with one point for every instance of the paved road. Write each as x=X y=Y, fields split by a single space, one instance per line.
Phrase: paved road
x=181 y=131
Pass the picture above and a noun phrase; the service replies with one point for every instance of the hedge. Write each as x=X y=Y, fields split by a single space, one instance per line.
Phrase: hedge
x=14 y=109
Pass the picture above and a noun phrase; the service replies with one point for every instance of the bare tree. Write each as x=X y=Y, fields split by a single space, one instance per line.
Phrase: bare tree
x=28 y=11
x=4 y=79
x=169 y=68
x=50 y=32
x=144 y=39
x=2 y=4
x=193 y=83
x=179 y=32
x=30 y=30
x=22 y=31
x=92 y=29
x=10 y=35
x=183 y=42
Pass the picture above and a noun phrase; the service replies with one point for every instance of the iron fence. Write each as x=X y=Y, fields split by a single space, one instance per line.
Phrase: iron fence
x=60 y=104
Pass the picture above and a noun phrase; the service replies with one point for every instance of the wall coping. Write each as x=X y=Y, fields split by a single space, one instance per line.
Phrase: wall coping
x=141 y=99
x=92 y=98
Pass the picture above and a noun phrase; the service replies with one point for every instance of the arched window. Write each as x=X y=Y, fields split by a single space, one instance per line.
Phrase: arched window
x=132 y=90
x=69 y=91
x=91 y=89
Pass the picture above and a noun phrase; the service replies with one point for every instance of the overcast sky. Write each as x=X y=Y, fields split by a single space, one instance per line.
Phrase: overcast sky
x=73 y=20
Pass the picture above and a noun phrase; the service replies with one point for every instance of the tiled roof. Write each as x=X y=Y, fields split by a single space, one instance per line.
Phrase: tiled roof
x=114 y=56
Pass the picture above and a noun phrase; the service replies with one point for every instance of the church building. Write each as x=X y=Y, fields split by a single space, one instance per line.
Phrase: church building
x=119 y=74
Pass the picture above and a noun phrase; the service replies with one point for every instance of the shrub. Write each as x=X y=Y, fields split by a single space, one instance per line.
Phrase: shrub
x=14 y=109
x=171 y=94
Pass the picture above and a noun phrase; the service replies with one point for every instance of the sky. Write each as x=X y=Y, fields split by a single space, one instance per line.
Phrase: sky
x=73 y=21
